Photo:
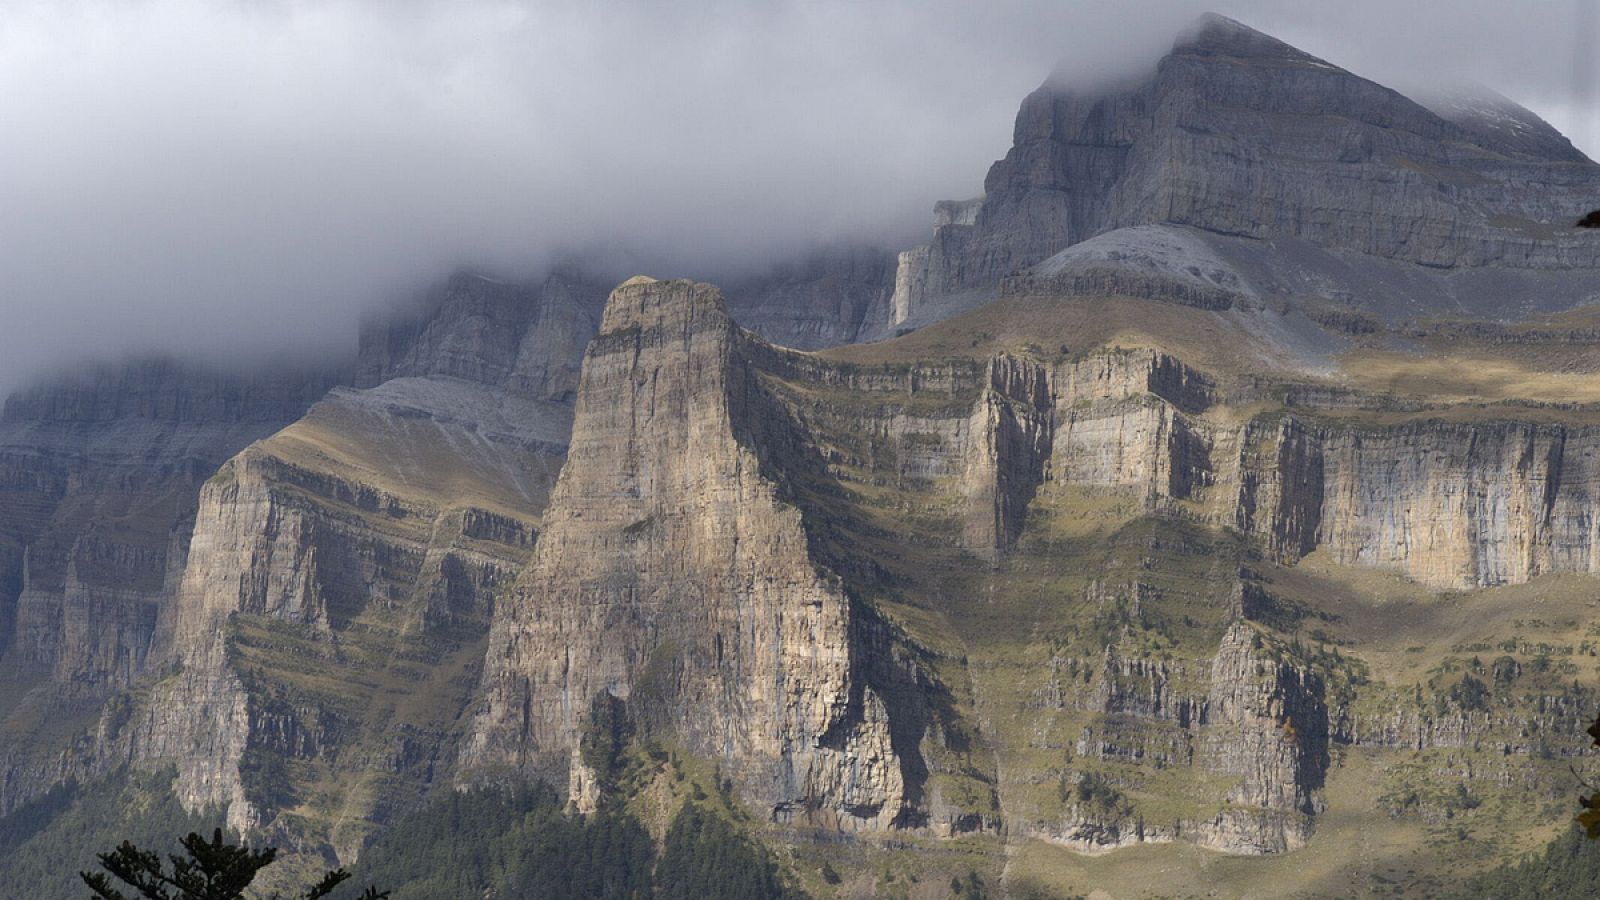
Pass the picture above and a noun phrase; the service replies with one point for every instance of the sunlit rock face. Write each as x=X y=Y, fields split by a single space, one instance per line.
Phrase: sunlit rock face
x=1459 y=506
x=672 y=573
x=336 y=569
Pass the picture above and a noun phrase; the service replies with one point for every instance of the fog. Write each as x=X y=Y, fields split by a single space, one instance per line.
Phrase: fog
x=232 y=181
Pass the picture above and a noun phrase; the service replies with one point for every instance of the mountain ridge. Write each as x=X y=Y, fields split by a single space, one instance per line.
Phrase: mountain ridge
x=1222 y=527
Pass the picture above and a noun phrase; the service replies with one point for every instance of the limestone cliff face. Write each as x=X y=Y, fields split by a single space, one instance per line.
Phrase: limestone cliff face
x=1452 y=505
x=827 y=298
x=99 y=478
x=673 y=573
x=337 y=570
x=1448 y=503
x=529 y=337
x=1269 y=729
x=1255 y=717
x=1011 y=442
x=1459 y=505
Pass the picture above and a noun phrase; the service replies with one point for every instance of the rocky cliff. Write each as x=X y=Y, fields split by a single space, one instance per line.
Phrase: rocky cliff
x=676 y=574
x=1453 y=505
x=332 y=614
x=527 y=339
x=722 y=496
x=1448 y=502
x=1183 y=539
x=100 y=473
x=99 y=479
x=829 y=297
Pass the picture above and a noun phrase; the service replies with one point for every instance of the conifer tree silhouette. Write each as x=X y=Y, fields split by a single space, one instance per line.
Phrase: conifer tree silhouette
x=212 y=870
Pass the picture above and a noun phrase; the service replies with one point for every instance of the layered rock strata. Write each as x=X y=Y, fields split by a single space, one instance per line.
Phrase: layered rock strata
x=340 y=580
x=527 y=339
x=1452 y=505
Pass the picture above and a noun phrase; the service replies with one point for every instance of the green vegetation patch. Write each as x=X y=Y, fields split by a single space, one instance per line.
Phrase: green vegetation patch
x=46 y=843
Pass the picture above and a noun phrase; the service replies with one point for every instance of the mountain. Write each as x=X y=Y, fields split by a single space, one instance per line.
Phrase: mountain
x=1310 y=184
x=1217 y=514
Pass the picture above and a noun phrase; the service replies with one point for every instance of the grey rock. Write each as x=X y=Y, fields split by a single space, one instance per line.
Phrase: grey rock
x=1239 y=135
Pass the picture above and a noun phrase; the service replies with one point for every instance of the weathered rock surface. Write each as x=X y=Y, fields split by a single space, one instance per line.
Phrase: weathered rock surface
x=827 y=298
x=1004 y=594
x=338 y=569
x=1269 y=729
x=1452 y=505
x=674 y=574
x=99 y=479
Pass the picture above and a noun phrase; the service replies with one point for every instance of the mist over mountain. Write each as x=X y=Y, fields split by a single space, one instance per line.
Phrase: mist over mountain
x=1205 y=499
x=235 y=182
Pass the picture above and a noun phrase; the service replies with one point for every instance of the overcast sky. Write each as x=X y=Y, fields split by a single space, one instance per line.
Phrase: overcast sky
x=238 y=179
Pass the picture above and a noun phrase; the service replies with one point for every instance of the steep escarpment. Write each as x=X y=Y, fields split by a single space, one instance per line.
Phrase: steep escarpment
x=1250 y=731
x=1078 y=600
x=675 y=574
x=1449 y=504
x=100 y=475
x=335 y=604
x=1159 y=484
x=99 y=479
x=1484 y=501
x=826 y=298
x=1192 y=537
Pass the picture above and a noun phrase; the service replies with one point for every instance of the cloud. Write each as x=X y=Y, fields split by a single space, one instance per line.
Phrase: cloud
x=230 y=180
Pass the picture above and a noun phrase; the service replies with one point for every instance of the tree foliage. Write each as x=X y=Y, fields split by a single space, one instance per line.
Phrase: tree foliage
x=212 y=870
x=1568 y=867
x=519 y=843
x=1590 y=817
x=705 y=858
x=605 y=738
x=511 y=843
x=45 y=843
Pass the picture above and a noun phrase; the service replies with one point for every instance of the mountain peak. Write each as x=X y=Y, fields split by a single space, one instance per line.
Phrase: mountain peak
x=679 y=305
x=1217 y=35
x=1497 y=122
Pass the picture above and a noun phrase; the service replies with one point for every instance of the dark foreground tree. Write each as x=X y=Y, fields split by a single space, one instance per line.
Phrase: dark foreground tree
x=1590 y=817
x=213 y=870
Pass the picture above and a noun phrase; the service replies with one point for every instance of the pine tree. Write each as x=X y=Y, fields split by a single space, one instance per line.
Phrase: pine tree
x=213 y=870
